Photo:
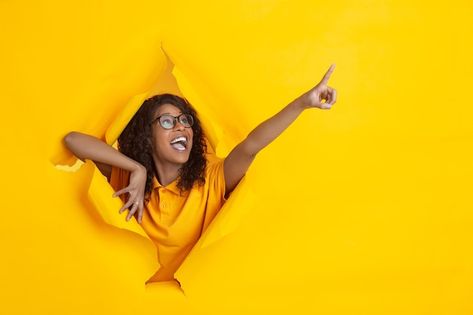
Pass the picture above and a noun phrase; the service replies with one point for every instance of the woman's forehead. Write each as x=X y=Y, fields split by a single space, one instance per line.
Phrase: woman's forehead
x=168 y=109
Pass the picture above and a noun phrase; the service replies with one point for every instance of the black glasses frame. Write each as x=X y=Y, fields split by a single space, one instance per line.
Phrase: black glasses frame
x=175 y=119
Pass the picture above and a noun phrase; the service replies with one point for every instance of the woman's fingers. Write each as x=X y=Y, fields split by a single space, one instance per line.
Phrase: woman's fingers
x=140 y=213
x=134 y=201
x=122 y=191
x=125 y=206
x=332 y=96
x=136 y=207
x=132 y=211
x=327 y=75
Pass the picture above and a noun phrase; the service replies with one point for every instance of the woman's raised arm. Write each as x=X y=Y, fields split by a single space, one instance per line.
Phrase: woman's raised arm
x=240 y=158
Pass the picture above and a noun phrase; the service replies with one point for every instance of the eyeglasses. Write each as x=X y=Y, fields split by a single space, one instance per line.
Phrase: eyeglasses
x=168 y=121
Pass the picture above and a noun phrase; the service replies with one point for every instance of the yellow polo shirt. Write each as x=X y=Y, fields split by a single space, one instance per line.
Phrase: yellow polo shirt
x=174 y=221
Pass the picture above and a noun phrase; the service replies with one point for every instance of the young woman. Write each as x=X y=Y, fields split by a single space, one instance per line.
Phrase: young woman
x=165 y=177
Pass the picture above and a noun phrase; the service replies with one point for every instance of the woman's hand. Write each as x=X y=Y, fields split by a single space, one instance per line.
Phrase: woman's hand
x=319 y=93
x=136 y=190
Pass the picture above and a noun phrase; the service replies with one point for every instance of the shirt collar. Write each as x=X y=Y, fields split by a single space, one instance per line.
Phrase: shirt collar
x=171 y=186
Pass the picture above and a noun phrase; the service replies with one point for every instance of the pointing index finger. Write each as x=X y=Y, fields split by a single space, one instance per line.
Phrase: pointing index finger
x=327 y=75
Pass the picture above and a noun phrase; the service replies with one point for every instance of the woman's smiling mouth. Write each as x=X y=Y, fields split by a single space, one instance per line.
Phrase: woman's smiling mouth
x=179 y=143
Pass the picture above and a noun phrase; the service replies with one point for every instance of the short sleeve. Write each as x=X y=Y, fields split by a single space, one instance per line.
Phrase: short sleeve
x=119 y=179
x=216 y=178
x=215 y=183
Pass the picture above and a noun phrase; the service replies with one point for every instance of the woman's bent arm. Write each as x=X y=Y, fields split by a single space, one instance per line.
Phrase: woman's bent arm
x=88 y=147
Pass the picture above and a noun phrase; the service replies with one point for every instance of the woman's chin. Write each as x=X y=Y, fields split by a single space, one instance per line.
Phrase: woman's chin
x=175 y=157
x=181 y=159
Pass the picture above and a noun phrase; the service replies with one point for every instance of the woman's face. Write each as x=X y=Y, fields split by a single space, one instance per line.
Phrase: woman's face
x=171 y=145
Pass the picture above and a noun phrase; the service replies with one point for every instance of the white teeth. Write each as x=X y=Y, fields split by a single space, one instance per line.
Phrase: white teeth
x=181 y=138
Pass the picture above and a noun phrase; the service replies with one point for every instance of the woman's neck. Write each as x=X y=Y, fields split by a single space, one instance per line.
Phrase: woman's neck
x=167 y=172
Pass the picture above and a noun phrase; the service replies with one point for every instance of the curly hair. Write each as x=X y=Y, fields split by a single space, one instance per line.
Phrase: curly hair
x=136 y=142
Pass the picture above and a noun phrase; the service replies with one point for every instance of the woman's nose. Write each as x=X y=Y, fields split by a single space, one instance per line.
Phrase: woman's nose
x=179 y=126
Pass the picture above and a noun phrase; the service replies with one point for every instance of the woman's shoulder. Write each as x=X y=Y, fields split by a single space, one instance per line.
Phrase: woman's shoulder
x=214 y=173
x=212 y=158
x=213 y=162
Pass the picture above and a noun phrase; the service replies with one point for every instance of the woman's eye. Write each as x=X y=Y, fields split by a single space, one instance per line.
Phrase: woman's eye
x=166 y=122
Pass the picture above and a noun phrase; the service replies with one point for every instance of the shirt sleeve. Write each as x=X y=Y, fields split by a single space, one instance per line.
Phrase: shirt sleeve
x=119 y=179
x=216 y=178
x=215 y=181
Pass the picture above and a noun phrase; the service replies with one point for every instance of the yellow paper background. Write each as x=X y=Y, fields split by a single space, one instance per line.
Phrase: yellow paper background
x=362 y=209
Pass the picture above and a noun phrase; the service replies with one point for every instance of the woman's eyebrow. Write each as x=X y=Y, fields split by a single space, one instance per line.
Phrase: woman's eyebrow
x=167 y=114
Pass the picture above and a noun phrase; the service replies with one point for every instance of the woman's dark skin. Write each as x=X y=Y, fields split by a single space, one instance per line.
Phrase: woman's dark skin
x=168 y=161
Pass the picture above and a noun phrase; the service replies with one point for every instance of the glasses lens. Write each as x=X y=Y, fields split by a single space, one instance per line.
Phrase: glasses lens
x=186 y=120
x=166 y=121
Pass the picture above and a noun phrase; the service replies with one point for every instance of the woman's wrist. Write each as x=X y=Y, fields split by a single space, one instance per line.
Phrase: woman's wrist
x=138 y=167
x=298 y=104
